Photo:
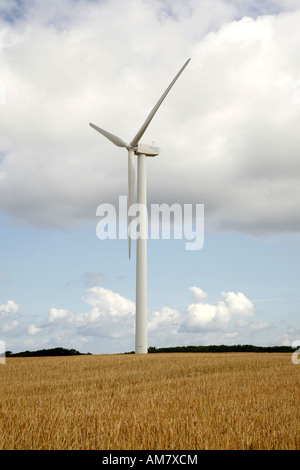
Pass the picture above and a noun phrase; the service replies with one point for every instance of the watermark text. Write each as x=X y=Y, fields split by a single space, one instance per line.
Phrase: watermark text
x=296 y=354
x=2 y=352
x=163 y=221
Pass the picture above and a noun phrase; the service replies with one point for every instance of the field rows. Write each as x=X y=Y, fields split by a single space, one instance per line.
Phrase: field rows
x=157 y=401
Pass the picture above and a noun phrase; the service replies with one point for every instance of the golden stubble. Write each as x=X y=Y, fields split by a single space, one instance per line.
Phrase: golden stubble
x=151 y=402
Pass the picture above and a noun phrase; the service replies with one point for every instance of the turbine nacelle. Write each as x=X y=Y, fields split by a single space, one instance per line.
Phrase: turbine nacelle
x=148 y=150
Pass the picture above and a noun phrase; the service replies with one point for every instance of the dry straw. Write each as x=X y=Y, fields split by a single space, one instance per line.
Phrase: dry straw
x=155 y=401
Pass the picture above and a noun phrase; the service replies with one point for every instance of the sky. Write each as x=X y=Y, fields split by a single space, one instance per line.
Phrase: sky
x=229 y=138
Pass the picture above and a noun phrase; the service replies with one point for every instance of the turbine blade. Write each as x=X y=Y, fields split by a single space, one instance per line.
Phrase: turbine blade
x=142 y=130
x=113 y=138
x=131 y=179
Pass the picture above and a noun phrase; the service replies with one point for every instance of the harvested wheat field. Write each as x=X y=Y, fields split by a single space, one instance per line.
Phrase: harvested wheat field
x=151 y=402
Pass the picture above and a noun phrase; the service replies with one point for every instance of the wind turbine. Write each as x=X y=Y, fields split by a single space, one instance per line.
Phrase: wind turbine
x=141 y=151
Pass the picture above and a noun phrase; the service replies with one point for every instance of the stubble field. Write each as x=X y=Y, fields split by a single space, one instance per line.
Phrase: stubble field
x=153 y=402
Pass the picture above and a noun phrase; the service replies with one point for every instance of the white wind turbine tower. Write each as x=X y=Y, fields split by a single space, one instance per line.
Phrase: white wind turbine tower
x=142 y=151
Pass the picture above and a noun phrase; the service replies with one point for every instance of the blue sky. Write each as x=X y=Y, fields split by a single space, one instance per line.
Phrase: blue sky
x=229 y=138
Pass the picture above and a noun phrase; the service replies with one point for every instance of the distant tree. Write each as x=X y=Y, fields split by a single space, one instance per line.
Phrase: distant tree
x=47 y=352
x=223 y=348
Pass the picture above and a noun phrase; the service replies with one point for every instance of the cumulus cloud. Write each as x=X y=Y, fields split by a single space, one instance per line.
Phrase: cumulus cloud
x=230 y=129
x=238 y=304
x=109 y=322
x=204 y=316
x=198 y=293
x=9 y=316
x=164 y=322
x=207 y=316
x=57 y=314
x=110 y=315
x=33 y=330
x=9 y=308
x=225 y=321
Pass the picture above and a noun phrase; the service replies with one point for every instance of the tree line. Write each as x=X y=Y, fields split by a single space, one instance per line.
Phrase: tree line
x=152 y=349
x=46 y=352
x=224 y=348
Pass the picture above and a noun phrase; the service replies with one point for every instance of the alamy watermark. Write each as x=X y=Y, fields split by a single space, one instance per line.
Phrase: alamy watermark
x=163 y=221
x=2 y=352
x=296 y=354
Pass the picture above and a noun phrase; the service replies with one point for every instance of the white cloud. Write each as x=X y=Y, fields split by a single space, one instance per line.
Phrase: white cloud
x=110 y=315
x=234 y=112
x=10 y=308
x=238 y=304
x=204 y=316
x=113 y=316
x=164 y=322
x=8 y=316
x=204 y=322
x=33 y=330
x=108 y=323
x=105 y=300
x=57 y=314
x=199 y=294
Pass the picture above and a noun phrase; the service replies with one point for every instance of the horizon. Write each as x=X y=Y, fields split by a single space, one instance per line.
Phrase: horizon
x=154 y=349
